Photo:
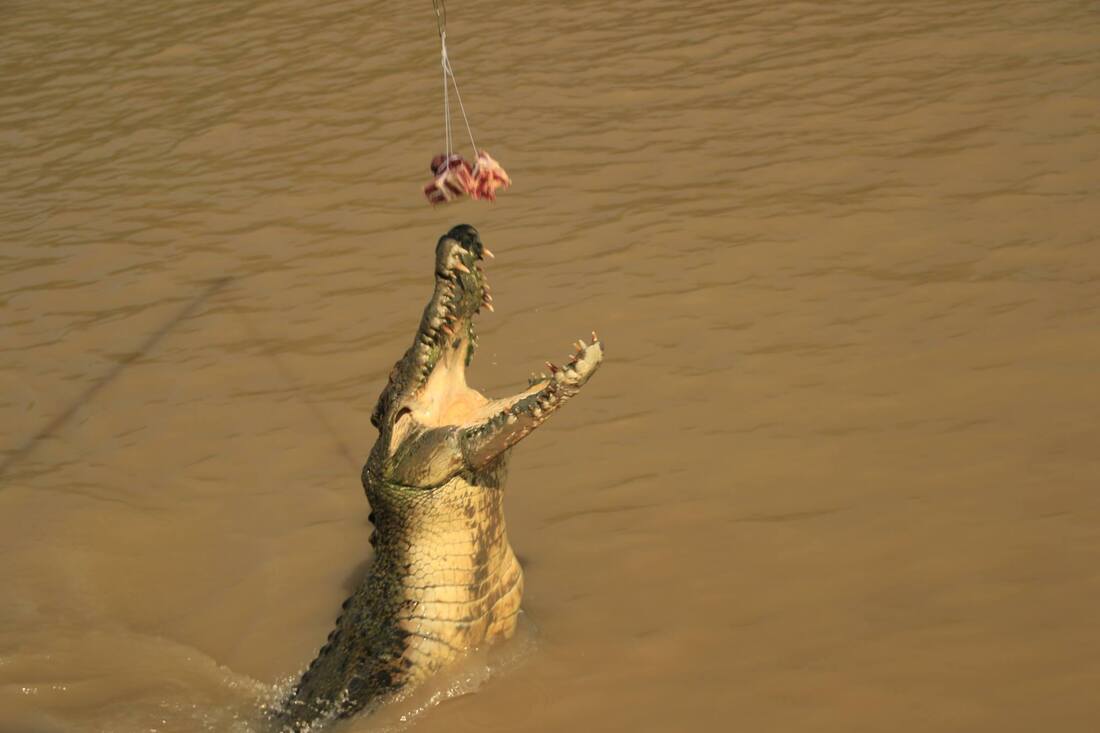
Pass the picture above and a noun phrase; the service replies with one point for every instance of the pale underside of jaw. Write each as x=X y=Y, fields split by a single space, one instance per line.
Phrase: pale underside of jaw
x=446 y=398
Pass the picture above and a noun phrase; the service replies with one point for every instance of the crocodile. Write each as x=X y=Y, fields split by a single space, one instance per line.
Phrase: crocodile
x=444 y=578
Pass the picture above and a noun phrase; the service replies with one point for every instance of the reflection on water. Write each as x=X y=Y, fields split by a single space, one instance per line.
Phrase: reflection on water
x=838 y=473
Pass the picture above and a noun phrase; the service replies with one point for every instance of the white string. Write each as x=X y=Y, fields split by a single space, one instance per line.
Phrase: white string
x=462 y=107
x=448 y=70
x=446 y=102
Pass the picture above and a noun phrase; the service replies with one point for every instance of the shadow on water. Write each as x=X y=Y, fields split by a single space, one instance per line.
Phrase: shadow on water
x=294 y=384
x=59 y=422
x=213 y=288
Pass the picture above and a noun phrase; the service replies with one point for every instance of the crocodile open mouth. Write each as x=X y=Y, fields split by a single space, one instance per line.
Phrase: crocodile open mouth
x=427 y=388
x=429 y=383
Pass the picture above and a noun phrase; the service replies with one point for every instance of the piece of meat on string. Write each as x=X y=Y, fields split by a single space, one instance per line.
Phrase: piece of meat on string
x=452 y=179
x=452 y=175
x=488 y=177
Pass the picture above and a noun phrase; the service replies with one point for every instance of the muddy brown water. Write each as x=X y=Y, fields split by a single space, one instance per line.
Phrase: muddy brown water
x=839 y=471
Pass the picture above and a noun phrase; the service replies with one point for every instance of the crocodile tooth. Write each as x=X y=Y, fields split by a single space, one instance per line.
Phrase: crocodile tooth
x=461 y=267
x=512 y=419
x=595 y=338
x=485 y=251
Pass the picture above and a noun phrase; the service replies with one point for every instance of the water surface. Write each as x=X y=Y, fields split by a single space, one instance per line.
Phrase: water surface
x=838 y=473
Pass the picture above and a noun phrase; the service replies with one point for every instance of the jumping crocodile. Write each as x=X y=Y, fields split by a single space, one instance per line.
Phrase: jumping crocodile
x=444 y=577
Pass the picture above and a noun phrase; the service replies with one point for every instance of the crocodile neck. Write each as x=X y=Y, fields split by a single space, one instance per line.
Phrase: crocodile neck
x=444 y=580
